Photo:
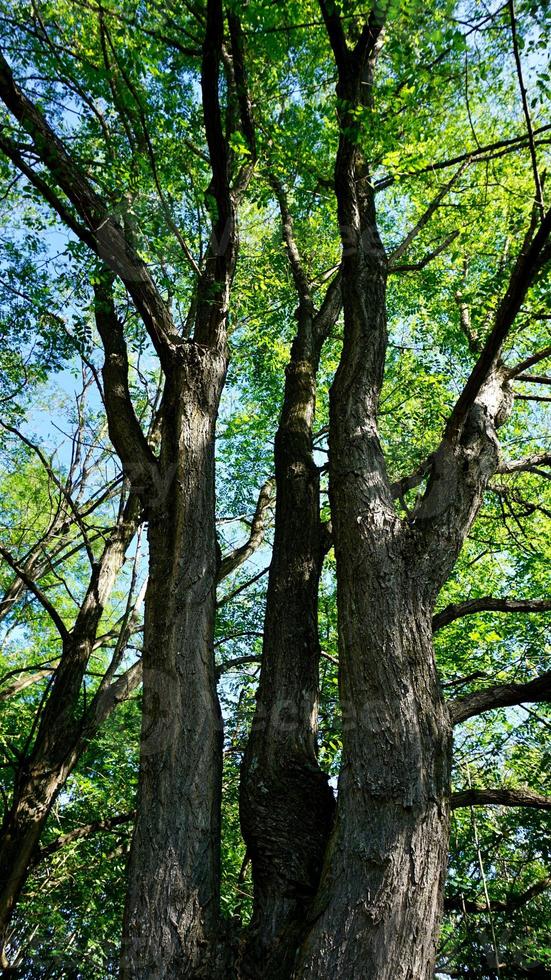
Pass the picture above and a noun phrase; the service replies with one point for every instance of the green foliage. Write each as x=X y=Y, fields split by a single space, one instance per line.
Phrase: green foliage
x=121 y=84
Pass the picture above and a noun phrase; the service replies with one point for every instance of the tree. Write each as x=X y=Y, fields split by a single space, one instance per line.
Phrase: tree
x=216 y=110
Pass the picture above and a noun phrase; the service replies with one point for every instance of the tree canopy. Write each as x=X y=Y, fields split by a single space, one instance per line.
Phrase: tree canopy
x=171 y=196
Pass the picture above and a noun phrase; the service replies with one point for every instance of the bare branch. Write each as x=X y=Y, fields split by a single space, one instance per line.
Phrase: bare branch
x=111 y=823
x=38 y=593
x=417 y=266
x=488 y=604
x=478 y=153
x=241 y=588
x=329 y=311
x=235 y=664
x=526 y=464
x=541 y=355
x=107 y=699
x=534 y=379
x=400 y=487
x=425 y=218
x=529 y=263
x=24 y=681
x=533 y=398
x=515 y=900
x=104 y=234
x=525 y=107
x=240 y=555
x=300 y=278
x=64 y=492
x=500 y=797
x=501 y=696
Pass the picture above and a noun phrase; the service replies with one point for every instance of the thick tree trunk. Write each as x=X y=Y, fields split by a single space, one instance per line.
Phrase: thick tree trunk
x=287 y=805
x=171 y=912
x=378 y=911
x=378 y=908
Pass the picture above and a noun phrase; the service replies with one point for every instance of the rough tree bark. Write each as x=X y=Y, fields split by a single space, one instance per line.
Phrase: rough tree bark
x=172 y=899
x=172 y=924
x=286 y=804
x=378 y=909
x=172 y=903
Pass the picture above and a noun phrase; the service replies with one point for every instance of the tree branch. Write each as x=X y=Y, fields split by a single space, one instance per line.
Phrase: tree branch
x=127 y=436
x=219 y=264
x=107 y=699
x=329 y=311
x=425 y=218
x=525 y=464
x=300 y=278
x=506 y=145
x=515 y=900
x=488 y=604
x=530 y=261
x=417 y=266
x=501 y=696
x=104 y=233
x=111 y=823
x=38 y=593
x=525 y=107
x=239 y=555
x=529 y=362
x=535 y=379
x=23 y=682
x=500 y=797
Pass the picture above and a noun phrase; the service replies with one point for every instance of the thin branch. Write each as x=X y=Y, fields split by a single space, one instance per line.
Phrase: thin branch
x=241 y=588
x=38 y=593
x=300 y=278
x=535 y=379
x=422 y=263
x=104 y=233
x=531 y=259
x=533 y=398
x=234 y=664
x=470 y=156
x=525 y=107
x=329 y=311
x=425 y=218
x=23 y=682
x=107 y=699
x=258 y=526
x=514 y=900
x=111 y=823
x=57 y=482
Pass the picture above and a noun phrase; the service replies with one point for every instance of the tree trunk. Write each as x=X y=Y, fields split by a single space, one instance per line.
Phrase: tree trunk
x=21 y=833
x=171 y=912
x=380 y=901
x=62 y=732
x=286 y=803
x=378 y=907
